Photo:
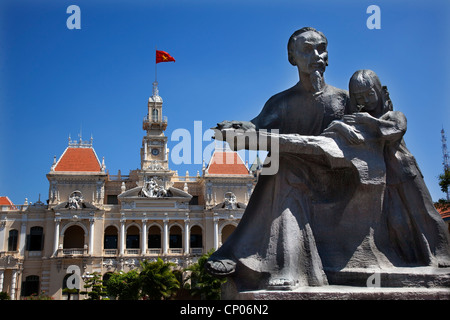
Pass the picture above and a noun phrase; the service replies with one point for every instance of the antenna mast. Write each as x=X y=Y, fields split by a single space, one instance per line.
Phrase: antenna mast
x=446 y=161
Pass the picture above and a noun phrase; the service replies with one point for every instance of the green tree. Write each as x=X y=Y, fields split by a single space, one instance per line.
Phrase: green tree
x=4 y=296
x=95 y=283
x=203 y=284
x=124 y=285
x=157 y=280
x=444 y=183
x=444 y=180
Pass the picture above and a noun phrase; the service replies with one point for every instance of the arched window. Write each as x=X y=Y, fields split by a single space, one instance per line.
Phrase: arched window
x=196 y=240
x=73 y=238
x=133 y=237
x=155 y=115
x=110 y=240
x=12 y=240
x=30 y=286
x=175 y=238
x=154 y=237
x=227 y=231
x=35 y=239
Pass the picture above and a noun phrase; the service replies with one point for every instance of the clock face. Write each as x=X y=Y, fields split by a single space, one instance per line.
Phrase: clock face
x=155 y=152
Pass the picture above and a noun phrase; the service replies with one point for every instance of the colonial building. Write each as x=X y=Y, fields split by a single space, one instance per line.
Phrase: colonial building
x=98 y=222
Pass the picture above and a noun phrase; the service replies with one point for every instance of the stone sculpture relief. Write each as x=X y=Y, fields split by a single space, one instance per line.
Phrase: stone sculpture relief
x=152 y=189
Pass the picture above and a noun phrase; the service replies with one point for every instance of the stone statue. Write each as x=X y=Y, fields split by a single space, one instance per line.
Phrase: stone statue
x=76 y=200
x=348 y=194
x=390 y=220
x=273 y=245
x=152 y=189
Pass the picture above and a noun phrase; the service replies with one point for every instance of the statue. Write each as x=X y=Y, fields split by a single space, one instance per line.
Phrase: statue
x=76 y=200
x=152 y=189
x=278 y=221
x=348 y=193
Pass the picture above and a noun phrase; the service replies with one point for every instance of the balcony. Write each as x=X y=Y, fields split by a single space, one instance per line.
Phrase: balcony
x=132 y=251
x=175 y=251
x=154 y=123
x=110 y=252
x=196 y=251
x=154 y=251
x=72 y=251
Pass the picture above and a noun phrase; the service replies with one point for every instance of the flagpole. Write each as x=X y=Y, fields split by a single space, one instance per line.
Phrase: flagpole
x=155 y=66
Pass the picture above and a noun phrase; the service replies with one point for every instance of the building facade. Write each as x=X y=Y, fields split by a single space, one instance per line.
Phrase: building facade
x=97 y=222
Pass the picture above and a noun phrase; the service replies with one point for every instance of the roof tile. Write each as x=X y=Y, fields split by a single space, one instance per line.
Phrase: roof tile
x=78 y=159
x=226 y=162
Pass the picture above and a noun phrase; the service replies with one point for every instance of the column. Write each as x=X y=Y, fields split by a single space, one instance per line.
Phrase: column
x=186 y=236
x=91 y=235
x=2 y=273
x=23 y=236
x=56 y=236
x=216 y=231
x=122 y=236
x=2 y=236
x=166 y=234
x=144 y=236
x=13 y=284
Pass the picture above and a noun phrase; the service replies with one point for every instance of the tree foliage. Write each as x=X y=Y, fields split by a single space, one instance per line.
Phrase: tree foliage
x=202 y=283
x=157 y=280
x=95 y=283
x=124 y=285
x=444 y=183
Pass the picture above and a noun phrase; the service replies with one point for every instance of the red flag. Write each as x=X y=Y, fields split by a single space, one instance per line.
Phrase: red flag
x=162 y=56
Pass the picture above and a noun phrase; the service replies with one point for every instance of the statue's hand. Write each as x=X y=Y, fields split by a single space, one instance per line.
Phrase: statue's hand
x=360 y=117
x=350 y=133
x=243 y=125
x=231 y=127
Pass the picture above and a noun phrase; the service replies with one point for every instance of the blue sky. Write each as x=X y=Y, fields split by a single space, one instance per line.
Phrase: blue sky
x=230 y=58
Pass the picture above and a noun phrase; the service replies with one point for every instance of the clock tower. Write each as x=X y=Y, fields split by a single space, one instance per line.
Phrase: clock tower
x=154 y=151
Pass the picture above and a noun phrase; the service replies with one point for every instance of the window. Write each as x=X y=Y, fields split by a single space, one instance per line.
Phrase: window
x=30 y=286
x=155 y=115
x=110 y=241
x=112 y=199
x=35 y=239
x=196 y=237
x=73 y=238
x=154 y=237
x=175 y=238
x=227 y=231
x=12 y=240
x=194 y=200
x=133 y=237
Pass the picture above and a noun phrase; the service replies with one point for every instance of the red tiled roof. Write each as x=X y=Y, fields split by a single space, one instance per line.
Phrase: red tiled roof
x=226 y=162
x=4 y=201
x=78 y=159
x=445 y=213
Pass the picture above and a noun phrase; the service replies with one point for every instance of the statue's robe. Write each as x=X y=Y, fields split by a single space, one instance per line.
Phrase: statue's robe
x=274 y=239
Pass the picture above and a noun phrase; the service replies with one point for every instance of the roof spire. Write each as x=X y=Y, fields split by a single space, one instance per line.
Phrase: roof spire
x=155 y=89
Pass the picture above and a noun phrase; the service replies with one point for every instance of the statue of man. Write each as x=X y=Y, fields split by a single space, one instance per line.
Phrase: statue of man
x=273 y=246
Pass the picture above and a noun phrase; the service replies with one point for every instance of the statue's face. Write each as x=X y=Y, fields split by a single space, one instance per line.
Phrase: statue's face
x=310 y=52
x=366 y=98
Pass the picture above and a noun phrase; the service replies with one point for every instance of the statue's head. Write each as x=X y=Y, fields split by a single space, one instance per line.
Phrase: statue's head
x=367 y=94
x=307 y=49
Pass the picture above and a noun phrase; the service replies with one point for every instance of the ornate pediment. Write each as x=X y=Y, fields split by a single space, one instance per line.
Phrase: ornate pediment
x=153 y=190
x=75 y=202
x=9 y=262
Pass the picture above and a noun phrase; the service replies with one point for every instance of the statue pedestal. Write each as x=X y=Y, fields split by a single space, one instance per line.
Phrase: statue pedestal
x=421 y=283
x=348 y=293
